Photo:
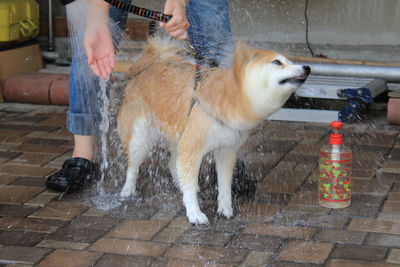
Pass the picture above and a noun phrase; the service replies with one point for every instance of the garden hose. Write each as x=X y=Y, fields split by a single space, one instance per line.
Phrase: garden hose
x=140 y=11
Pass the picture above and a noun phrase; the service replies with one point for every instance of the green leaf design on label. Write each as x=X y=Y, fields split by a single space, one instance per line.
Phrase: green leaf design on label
x=327 y=187
x=336 y=172
x=347 y=187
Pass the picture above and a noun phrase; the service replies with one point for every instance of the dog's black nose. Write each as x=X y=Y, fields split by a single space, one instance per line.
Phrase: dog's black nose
x=307 y=69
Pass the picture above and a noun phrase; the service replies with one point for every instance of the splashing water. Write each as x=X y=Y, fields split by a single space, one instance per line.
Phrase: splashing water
x=103 y=97
x=92 y=91
x=154 y=184
x=104 y=126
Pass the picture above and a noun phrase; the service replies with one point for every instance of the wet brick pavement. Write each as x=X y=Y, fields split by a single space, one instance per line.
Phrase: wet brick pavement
x=282 y=225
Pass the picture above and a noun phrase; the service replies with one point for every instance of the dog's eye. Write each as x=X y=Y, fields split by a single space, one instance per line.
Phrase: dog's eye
x=277 y=62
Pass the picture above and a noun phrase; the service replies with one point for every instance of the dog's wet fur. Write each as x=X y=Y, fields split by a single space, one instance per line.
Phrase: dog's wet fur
x=228 y=104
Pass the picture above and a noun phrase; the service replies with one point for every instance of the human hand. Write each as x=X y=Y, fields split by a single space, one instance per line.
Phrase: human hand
x=178 y=25
x=99 y=49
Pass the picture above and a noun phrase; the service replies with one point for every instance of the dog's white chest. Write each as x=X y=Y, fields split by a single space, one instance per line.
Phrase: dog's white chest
x=221 y=135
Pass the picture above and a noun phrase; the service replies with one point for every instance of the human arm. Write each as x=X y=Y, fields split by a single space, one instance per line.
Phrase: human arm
x=178 y=25
x=98 y=40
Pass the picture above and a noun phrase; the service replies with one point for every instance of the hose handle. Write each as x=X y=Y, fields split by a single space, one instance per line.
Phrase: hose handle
x=140 y=11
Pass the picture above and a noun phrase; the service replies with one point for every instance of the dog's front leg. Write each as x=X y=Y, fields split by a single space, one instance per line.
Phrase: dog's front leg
x=225 y=158
x=190 y=153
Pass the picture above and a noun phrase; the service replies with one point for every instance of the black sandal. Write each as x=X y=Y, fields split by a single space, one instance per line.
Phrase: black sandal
x=75 y=175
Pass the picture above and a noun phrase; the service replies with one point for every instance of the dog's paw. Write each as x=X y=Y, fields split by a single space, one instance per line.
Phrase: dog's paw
x=127 y=191
x=197 y=218
x=225 y=210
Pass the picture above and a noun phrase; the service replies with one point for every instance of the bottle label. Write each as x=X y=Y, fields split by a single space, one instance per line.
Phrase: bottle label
x=335 y=181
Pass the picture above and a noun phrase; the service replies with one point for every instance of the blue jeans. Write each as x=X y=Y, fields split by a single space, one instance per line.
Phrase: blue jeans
x=84 y=103
x=209 y=33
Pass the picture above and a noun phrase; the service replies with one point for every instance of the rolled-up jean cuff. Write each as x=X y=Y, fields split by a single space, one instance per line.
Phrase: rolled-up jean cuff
x=83 y=124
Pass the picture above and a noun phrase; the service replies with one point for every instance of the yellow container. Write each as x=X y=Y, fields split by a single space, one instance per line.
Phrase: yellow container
x=19 y=20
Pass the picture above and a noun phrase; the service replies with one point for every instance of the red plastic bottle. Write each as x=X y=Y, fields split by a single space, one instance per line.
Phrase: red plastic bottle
x=335 y=171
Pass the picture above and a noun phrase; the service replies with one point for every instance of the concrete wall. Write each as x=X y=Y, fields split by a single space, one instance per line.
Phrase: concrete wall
x=356 y=29
x=348 y=22
x=343 y=29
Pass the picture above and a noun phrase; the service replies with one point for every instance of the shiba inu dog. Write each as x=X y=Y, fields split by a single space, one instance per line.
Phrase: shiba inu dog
x=228 y=103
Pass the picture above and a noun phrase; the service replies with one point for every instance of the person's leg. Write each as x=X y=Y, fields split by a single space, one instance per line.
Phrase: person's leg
x=84 y=102
x=83 y=116
x=83 y=147
x=210 y=31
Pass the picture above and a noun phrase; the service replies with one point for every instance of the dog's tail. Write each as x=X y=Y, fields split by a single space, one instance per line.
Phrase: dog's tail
x=157 y=50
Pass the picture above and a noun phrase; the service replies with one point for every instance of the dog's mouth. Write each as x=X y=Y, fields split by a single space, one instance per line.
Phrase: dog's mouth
x=297 y=80
x=294 y=80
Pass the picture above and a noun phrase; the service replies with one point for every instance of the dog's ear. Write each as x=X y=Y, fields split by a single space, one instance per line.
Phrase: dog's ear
x=240 y=60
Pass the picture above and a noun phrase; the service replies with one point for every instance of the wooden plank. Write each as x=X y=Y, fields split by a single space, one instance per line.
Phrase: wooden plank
x=304 y=115
x=339 y=61
x=394 y=94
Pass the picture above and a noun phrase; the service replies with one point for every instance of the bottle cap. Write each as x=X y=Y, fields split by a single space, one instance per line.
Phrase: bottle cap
x=336 y=138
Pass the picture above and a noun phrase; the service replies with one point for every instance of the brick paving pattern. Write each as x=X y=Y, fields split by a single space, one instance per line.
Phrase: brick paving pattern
x=282 y=225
